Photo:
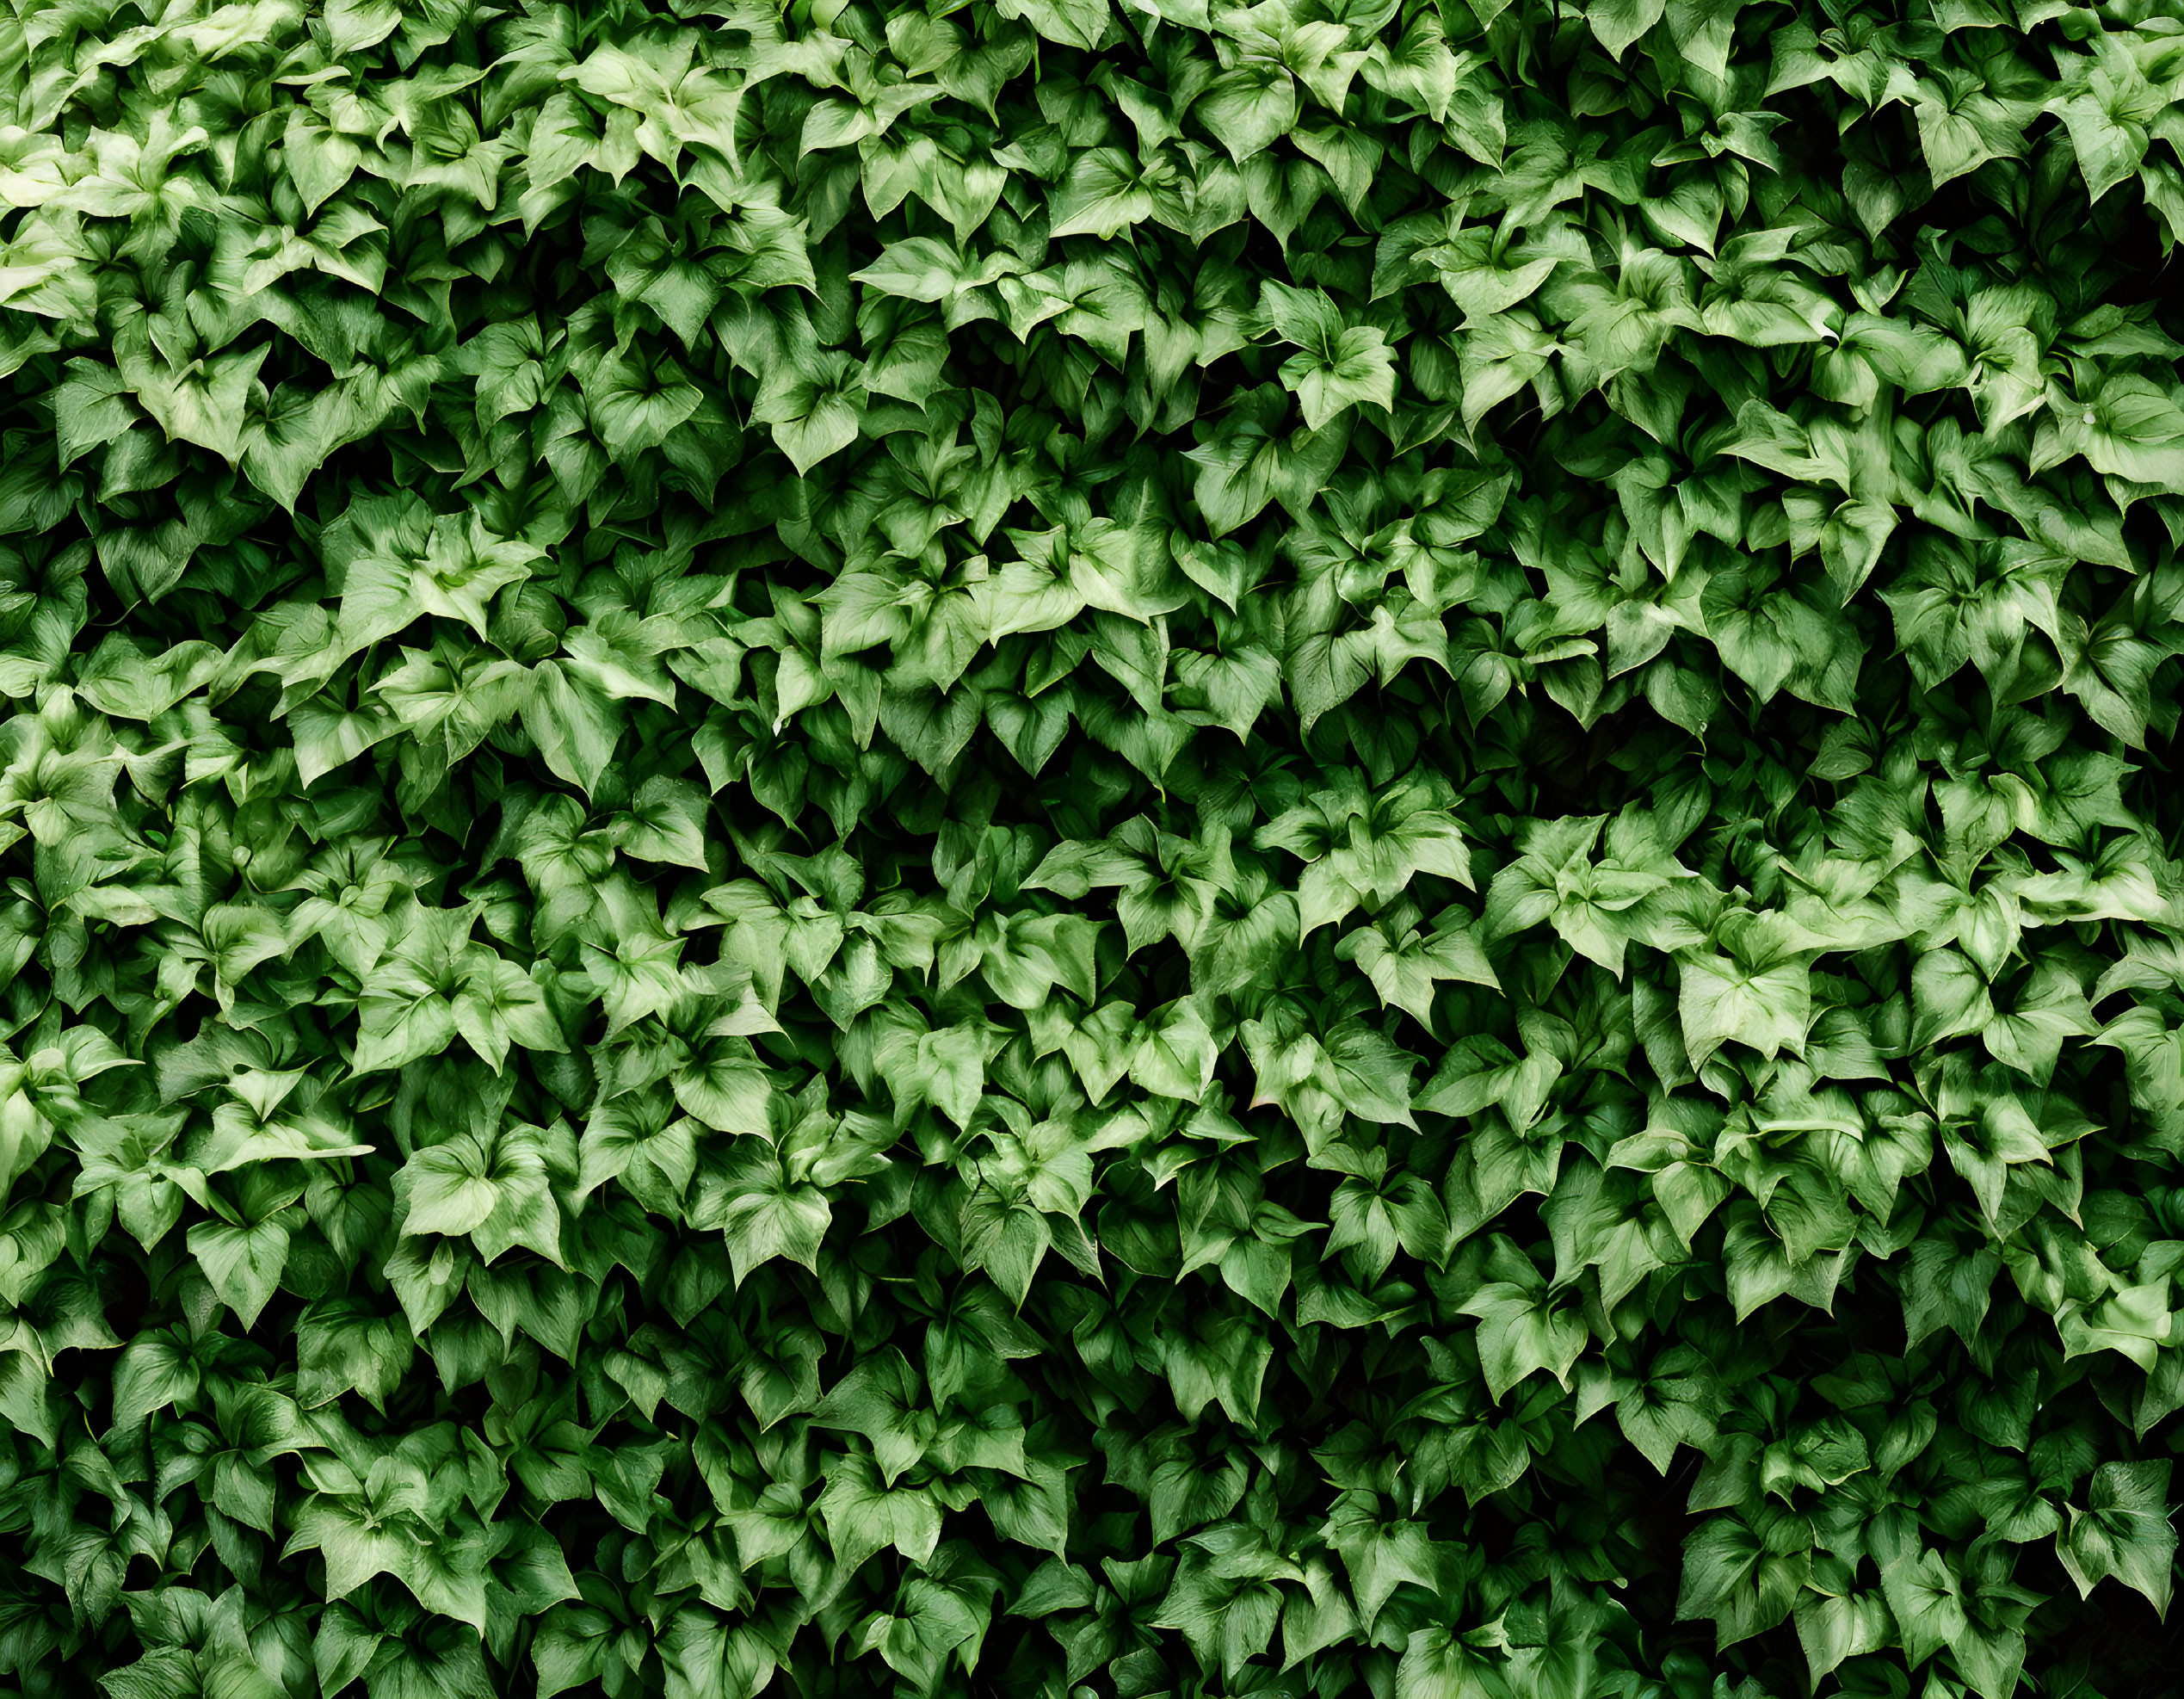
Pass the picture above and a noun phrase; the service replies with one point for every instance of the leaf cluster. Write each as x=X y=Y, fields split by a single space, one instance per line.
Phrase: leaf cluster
x=1129 y=848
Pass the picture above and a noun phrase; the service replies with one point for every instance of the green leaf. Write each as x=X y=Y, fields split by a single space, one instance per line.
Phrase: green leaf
x=1731 y=1577
x=576 y=728
x=862 y=1516
x=201 y=402
x=243 y=1263
x=1248 y=108
x=1616 y=24
x=762 y=1213
x=2124 y=1531
x=1768 y=1009
x=1521 y=1333
x=816 y=410
x=1102 y=194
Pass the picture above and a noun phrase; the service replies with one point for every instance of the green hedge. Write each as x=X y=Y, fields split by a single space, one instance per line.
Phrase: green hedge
x=1091 y=849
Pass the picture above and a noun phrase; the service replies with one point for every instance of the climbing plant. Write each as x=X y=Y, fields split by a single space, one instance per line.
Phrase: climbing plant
x=1096 y=849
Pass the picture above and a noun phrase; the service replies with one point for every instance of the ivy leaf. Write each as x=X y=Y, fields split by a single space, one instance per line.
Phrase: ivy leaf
x=816 y=410
x=242 y=1262
x=1618 y=24
x=2124 y=1531
x=1101 y=196
x=762 y=1213
x=1520 y=1333
x=863 y=1516
x=1720 y=999
x=201 y=402
x=576 y=729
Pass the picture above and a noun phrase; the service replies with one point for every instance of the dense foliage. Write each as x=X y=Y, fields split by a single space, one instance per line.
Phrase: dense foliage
x=1110 y=848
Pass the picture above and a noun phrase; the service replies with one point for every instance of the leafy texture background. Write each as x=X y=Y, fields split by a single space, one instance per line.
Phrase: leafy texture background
x=1091 y=848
